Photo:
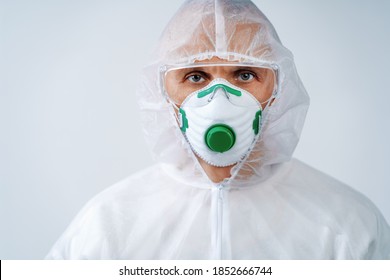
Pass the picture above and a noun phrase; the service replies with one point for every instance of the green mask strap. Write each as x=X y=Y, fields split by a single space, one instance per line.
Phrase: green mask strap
x=183 y=121
x=256 y=122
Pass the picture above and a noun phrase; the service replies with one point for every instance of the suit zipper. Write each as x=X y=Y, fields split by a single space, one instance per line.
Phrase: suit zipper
x=218 y=222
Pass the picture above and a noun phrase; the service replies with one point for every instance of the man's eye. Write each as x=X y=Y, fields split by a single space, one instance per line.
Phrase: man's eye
x=195 y=78
x=245 y=76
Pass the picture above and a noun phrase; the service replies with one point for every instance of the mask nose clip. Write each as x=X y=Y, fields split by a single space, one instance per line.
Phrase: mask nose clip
x=216 y=91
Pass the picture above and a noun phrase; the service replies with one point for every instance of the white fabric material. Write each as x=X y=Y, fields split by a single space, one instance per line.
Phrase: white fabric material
x=298 y=214
x=272 y=207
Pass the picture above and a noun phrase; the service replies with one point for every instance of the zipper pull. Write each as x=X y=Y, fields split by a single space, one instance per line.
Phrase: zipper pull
x=220 y=190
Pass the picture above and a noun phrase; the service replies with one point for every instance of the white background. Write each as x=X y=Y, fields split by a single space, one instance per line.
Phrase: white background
x=69 y=122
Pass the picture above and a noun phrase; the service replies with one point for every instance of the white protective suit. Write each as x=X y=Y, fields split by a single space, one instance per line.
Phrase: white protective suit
x=272 y=207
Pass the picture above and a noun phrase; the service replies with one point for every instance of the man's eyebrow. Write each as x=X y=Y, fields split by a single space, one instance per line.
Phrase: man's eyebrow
x=191 y=69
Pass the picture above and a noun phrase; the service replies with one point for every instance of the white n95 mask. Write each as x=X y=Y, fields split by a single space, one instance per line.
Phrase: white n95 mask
x=221 y=122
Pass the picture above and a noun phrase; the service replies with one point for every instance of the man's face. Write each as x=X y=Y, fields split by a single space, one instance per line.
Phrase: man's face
x=256 y=80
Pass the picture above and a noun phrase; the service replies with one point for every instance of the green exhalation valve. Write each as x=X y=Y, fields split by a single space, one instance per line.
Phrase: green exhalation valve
x=220 y=138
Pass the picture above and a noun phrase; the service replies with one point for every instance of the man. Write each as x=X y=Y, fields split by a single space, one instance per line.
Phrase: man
x=223 y=108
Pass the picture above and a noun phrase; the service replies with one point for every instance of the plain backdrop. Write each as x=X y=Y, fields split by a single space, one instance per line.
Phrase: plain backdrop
x=69 y=121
